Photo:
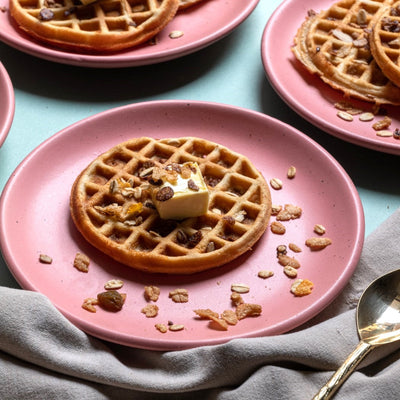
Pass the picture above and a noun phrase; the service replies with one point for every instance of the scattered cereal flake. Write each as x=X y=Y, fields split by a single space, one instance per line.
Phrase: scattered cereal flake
x=366 y=117
x=206 y=313
x=278 y=228
x=318 y=243
x=179 y=295
x=345 y=116
x=295 y=248
x=114 y=284
x=265 y=274
x=161 y=327
x=230 y=317
x=175 y=34
x=275 y=209
x=382 y=124
x=81 y=262
x=45 y=259
x=302 y=287
x=384 y=133
x=89 y=304
x=289 y=271
x=150 y=310
x=276 y=183
x=286 y=260
x=291 y=173
x=320 y=229
x=289 y=212
x=176 y=327
x=248 y=310
x=236 y=298
x=151 y=293
x=240 y=288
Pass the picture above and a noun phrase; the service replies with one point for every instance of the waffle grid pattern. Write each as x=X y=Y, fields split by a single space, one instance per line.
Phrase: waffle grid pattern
x=334 y=44
x=236 y=189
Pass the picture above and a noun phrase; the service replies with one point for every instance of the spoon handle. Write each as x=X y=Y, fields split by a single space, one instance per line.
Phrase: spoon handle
x=344 y=371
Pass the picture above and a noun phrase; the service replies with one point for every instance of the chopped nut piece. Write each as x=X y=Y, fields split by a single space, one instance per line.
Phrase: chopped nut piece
x=81 y=262
x=45 y=259
x=264 y=274
x=176 y=327
x=320 y=229
x=151 y=293
x=278 y=228
x=179 y=295
x=318 y=243
x=161 y=327
x=150 y=310
x=295 y=248
x=276 y=183
x=89 y=304
x=248 y=310
x=301 y=287
x=240 y=288
x=114 y=284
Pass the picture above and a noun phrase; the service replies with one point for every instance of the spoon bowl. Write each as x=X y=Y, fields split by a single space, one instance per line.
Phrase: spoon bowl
x=378 y=323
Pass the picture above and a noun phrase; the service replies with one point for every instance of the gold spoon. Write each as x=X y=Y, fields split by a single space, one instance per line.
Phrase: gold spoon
x=378 y=322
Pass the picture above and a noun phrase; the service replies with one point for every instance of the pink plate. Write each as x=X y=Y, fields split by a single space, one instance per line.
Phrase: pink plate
x=34 y=215
x=7 y=104
x=202 y=25
x=308 y=95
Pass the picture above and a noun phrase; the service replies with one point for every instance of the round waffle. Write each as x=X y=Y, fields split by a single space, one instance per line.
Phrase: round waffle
x=188 y=3
x=334 y=45
x=101 y=26
x=385 y=41
x=111 y=206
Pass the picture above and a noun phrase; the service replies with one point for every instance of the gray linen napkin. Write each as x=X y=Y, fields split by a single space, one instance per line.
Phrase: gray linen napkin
x=45 y=356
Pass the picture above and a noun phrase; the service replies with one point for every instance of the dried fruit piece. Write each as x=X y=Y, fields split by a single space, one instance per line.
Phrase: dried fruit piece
x=111 y=300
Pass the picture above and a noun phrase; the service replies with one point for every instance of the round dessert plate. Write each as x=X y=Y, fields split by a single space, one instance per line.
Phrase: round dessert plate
x=201 y=25
x=7 y=103
x=307 y=94
x=43 y=225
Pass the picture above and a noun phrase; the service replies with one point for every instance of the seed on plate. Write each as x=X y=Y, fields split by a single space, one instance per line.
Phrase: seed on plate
x=320 y=229
x=176 y=327
x=291 y=172
x=176 y=34
x=45 y=259
x=367 y=116
x=240 y=288
x=384 y=133
x=276 y=183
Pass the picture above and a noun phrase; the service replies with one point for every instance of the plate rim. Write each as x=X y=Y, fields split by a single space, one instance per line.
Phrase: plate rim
x=36 y=49
x=343 y=134
x=166 y=344
x=9 y=104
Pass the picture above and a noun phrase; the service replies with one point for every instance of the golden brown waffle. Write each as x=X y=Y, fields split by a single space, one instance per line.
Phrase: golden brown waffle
x=188 y=3
x=102 y=26
x=385 y=41
x=334 y=45
x=105 y=197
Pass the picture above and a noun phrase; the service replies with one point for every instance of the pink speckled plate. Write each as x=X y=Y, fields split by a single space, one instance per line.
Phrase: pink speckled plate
x=202 y=25
x=43 y=225
x=7 y=103
x=307 y=94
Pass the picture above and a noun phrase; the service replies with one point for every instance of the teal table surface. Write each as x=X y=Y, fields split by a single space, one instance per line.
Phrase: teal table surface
x=51 y=96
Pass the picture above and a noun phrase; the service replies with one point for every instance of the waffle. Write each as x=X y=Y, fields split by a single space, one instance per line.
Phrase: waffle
x=112 y=208
x=101 y=26
x=188 y=3
x=334 y=45
x=385 y=41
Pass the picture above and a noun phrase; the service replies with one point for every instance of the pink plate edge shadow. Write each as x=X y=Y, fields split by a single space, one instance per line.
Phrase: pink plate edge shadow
x=275 y=73
x=168 y=344
x=163 y=51
x=7 y=103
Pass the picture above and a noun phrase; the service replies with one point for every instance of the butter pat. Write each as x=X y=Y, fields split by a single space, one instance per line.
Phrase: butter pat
x=183 y=194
